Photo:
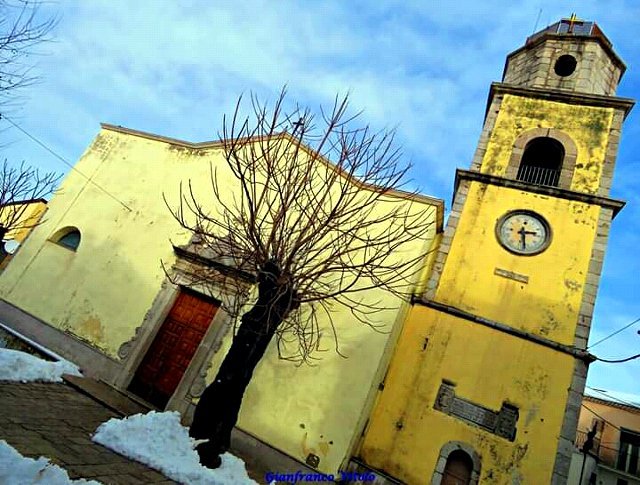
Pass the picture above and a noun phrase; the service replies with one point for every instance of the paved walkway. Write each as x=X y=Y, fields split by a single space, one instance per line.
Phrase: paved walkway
x=57 y=420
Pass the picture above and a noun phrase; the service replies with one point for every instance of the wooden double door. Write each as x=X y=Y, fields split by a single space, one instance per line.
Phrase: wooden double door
x=173 y=347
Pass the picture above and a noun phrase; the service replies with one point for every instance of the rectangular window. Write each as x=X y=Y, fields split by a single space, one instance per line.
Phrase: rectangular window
x=629 y=452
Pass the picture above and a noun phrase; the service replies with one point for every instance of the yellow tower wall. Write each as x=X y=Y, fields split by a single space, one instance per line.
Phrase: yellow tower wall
x=548 y=305
x=539 y=295
x=488 y=367
x=587 y=126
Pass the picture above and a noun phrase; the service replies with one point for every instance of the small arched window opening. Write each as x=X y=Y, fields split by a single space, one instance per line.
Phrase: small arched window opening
x=458 y=469
x=69 y=237
x=542 y=162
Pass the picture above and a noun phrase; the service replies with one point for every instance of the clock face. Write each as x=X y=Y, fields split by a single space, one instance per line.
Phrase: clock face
x=523 y=232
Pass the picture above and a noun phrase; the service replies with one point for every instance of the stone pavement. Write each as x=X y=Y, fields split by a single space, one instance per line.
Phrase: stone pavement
x=57 y=420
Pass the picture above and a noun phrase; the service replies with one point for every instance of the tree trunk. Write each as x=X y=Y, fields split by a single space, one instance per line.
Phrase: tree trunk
x=217 y=410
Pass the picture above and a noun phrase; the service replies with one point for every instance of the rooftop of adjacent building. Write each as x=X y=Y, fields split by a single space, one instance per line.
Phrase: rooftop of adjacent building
x=617 y=399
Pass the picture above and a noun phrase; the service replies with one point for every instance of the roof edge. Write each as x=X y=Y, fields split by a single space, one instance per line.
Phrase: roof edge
x=399 y=193
x=26 y=201
x=610 y=402
x=608 y=47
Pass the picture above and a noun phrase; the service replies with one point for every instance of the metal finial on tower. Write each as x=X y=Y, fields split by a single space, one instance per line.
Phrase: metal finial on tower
x=572 y=20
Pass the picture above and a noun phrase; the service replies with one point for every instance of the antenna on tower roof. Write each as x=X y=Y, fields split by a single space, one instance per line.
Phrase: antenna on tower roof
x=535 y=27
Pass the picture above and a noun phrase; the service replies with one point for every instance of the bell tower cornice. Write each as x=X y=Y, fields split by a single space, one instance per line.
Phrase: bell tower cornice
x=545 y=35
x=571 y=55
x=567 y=97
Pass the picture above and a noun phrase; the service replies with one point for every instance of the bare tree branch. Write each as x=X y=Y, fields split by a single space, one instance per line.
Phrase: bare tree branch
x=322 y=200
x=20 y=184
x=21 y=30
x=317 y=217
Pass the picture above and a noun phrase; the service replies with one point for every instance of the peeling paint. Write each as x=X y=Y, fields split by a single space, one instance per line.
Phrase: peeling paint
x=588 y=126
x=572 y=285
x=92 y=329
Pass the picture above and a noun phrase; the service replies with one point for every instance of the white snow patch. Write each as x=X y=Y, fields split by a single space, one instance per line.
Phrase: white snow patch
x=23 y=367
x=161 y=442
x=16 y=469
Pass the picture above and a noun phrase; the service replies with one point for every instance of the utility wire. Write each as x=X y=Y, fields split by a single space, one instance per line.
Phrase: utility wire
x=603 y=419
x=614 y=333
x=66 y=162
x=621 y=401
x=619 y=361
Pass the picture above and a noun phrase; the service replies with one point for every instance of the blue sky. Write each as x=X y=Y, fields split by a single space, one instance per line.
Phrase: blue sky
x=174 y=68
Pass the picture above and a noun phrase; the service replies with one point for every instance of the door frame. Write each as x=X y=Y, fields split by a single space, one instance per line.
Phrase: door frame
x=133 y=351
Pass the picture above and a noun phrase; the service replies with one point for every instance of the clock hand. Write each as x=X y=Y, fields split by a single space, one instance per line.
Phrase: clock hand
x=523 y=236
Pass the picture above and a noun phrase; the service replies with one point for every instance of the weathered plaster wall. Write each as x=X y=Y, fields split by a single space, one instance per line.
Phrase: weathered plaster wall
x=549 y=303
x=588 y=126
x=101 y=292
x=488 y=367
x=27 y=221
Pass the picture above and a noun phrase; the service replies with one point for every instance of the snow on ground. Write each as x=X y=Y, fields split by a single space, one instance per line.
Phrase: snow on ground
x=161 y=442
x=16 y=469
x=20 y=366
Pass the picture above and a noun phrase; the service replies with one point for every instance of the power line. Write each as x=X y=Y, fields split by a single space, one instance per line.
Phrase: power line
x=65 y=161
x=603 y=419
x=621 y=401
x=614 y=333
x=618 y=361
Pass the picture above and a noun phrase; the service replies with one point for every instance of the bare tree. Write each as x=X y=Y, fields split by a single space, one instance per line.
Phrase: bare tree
x=21 y=29
x=318 y=218
x=19 y=185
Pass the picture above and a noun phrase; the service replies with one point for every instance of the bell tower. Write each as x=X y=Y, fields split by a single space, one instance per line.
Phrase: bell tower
x=488 y=373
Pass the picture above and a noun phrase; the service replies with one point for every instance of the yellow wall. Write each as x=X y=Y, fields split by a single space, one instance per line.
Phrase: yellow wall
x=488 y=367
x=28 y=219
x=101 y=292
x=588 y=126
x=30 y=215
x=406 y=434
x=548 y=304
x=615 y=418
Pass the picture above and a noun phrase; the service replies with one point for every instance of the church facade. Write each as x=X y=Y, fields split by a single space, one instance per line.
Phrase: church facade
x=478 y=380
x=111 y=281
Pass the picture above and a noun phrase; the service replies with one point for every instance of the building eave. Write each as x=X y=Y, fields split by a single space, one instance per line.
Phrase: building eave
x=615 y=404
x=614 y=204
x=557 y=95
x=219 y=144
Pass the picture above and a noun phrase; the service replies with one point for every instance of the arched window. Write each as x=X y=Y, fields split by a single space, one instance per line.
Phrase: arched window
x=541 y=162
x=458 y=464
x=68 y=237
x=458 y=469
x=543 y=156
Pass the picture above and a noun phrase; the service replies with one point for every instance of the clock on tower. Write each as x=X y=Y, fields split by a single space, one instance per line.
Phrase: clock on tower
x=486 y=381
